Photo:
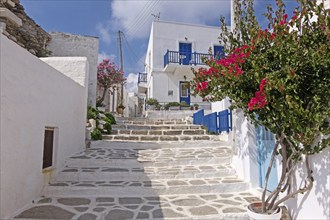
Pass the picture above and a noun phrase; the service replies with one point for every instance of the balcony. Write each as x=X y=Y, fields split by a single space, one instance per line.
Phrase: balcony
x=142 y=82
x=143 y=78
x=184 y=58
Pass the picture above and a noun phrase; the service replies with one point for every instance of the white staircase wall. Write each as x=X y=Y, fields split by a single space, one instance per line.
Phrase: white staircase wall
x=34 y=96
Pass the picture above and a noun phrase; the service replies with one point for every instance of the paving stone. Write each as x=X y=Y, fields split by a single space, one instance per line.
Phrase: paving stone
x=168 y=138
x=80 y=157
x=188 y=202
x=118 y=214
x=88 y=185
x=46 y=212
x=197 y=182
x=142 y=215
x=149 y=138
x=127 y=138
x=74 y=201
x=146 y=208
x=124 y=132
x=172 y=132
x=152 y=198
x=233 y=210
x=59 y=184
x=196 y=138
x=70 y=170
x=128 y=200
x=45 y=200
x=193 y=132
x=87 y=216
x=185 y=138
x=132 y=207
x=104 y=199
x=227 y=202
x=226 y=195
x=251 y=199
x=203 y=210
x=98 y=209
x=81 y=209
x=115 y=170
x=208 y=197
x=176 y=183
x=155 y=132
x=140 y=132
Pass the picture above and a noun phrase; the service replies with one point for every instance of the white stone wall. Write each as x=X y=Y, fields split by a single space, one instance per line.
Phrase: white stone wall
x=63 y=44
x=34 y=96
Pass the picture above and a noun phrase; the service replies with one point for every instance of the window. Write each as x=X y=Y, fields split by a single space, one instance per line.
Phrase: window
x=48 y=148
x=184 y=90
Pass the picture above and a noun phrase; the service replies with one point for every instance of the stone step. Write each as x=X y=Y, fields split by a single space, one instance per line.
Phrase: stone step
x=142 y=173
x=229 y=206
x=154 y=122
x=167 y=138
x=153 y=133
x=155 y=127
x=106 y=144
x=146 y=187
x=151 y=157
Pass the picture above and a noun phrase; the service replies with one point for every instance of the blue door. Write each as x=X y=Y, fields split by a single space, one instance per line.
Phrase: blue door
x=218 y=52
x=184 y=53
x=266 y=143
x=184 y=92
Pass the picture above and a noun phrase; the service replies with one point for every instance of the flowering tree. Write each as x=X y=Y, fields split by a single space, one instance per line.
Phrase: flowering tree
x=280 y=78
x=108 y=75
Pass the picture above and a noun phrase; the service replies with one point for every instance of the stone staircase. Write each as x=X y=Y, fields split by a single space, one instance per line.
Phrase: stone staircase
x=160 y=130
x=154 y=179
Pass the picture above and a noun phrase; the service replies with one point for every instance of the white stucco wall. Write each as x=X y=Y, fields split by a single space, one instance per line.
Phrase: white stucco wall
x=64 y=44
x=316 y=203
x=312 y=205
x=34 y=96
x=245 y=158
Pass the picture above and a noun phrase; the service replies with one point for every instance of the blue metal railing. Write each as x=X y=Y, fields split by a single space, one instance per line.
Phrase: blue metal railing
x=216 y=122
x=180 y=58
x=198 y=117
x=211 y=122
x=143 y=77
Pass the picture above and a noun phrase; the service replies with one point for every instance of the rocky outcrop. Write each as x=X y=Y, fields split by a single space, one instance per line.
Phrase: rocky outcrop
x=29 y=34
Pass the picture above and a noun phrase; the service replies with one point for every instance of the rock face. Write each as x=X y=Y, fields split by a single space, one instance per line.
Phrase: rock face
x=30 y=35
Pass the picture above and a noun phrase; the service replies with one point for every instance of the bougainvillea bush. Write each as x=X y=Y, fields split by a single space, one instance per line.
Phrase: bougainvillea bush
x=108 y=76
x=280 y=77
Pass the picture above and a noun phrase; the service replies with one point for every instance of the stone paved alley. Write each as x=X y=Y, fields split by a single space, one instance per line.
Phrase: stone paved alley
x=178 y=172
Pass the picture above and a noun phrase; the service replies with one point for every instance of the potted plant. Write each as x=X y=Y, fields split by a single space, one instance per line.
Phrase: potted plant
x=280 y=79
x=152 y=103
x=196 y=106
x=184 y=106
x=120 y=109
x=173 y=106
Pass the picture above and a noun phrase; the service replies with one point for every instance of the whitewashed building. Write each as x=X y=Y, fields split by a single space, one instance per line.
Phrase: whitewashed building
x=173 y=49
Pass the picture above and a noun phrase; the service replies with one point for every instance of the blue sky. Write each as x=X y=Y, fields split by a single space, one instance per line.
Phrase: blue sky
x=103 y=18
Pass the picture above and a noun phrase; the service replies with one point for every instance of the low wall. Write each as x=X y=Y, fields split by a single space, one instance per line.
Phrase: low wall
x=34 y=96
x=312 y=205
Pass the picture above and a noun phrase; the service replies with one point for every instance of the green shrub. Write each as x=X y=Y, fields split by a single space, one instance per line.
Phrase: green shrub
x=107 y=127
x=96 y=134
x=152 y=101
x=110 y=117
x=92 y=113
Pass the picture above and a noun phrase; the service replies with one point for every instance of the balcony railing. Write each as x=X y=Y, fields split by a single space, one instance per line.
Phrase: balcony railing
x=143 y=77
x=184 y=58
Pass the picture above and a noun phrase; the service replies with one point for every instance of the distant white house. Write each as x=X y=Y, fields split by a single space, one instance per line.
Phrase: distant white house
x=174 y=48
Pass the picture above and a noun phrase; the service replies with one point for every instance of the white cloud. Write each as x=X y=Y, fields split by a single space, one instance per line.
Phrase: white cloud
x=134 y=17
x=131 y=82
x=104 y=32
x=104 y=55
